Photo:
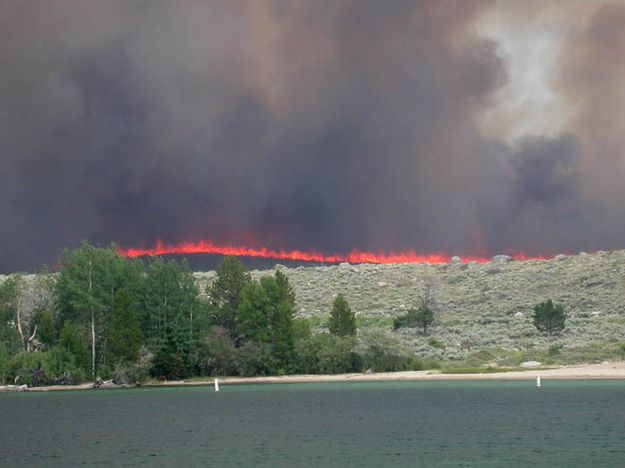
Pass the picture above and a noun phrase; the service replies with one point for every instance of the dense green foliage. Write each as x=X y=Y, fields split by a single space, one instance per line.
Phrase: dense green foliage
x=124 y=330
x=106 y=316
x=342 y=319
x=549 y=317
x=86 y=287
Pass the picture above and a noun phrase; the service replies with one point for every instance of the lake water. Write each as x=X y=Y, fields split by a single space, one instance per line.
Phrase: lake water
x=564 y=423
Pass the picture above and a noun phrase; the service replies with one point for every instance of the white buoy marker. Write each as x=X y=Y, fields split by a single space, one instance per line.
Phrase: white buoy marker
x=216 y=385
x=538 y=381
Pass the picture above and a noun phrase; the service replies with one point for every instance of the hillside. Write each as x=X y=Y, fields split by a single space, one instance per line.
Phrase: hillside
x=490 y=304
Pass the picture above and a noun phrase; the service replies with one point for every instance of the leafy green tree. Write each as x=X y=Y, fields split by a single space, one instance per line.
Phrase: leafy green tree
x=266 y=316
x=170 y=301
x=549 y=317
x=44 y=310
x=88 y=279
x=10 y=314
x=124 y=334
x=342 y=319
x=225 y=294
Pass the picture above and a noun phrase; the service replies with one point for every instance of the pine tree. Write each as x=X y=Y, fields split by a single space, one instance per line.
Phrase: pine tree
x=342 y=319
x=266 y=316
x=549 y=317
x=225 y=294
x=124 y=333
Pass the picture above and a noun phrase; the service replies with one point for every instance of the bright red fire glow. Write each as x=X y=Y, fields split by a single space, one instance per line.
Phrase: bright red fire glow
x=355 y=256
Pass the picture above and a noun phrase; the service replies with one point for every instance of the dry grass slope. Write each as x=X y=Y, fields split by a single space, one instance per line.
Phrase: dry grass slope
x=490 y=304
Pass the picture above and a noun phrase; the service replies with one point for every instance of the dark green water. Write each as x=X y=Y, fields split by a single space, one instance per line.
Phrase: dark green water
x=565 y=423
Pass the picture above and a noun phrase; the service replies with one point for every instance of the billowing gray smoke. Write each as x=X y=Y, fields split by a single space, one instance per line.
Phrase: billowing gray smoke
x=309 y=124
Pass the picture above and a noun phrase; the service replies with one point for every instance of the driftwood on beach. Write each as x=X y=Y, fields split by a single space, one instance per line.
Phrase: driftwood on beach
x=13 y=388
x=107 y=384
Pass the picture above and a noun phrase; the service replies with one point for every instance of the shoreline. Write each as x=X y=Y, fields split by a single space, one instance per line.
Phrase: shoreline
x=604 y=371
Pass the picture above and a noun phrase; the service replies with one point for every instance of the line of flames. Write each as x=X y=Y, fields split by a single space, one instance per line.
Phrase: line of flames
x=355 y=256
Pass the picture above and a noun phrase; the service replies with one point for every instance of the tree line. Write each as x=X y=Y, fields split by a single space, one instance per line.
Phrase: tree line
x=106 y=316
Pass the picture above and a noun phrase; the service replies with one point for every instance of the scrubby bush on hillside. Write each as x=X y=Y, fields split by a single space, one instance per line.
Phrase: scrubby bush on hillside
x=421 y=317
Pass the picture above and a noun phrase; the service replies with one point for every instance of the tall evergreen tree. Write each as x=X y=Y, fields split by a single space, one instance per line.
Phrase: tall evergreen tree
x=72 y=341
x=225 y=294
x=124 y=334
x=173 y=316
x=47 y=331
x=266 y=316
x=342 y=319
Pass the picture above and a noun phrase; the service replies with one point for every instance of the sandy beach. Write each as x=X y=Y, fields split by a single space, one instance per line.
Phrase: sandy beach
x=605 y=371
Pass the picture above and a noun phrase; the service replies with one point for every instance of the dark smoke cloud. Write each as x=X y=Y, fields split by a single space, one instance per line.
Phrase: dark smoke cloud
x=309 y=124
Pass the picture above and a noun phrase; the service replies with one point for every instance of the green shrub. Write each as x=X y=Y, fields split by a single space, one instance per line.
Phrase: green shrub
x=5 y=365
x=555 y=349
x=217 y=353
x=337 y=356
x=434 y=343
x=58 y=363
x=307 y=354
x=325 y=353
x=22 y=366
x=381 y=352
x=255 y=359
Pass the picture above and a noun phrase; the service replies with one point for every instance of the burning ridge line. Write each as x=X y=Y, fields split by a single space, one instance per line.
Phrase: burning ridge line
x=355 y=256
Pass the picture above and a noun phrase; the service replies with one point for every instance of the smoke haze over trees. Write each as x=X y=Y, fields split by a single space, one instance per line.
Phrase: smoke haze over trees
x=422 y=125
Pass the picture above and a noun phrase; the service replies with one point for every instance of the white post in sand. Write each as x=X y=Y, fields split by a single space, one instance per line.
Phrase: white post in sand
x=216 y=385
x=538 y=381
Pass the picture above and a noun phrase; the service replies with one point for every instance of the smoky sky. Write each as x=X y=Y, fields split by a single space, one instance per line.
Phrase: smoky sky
x=326 y=125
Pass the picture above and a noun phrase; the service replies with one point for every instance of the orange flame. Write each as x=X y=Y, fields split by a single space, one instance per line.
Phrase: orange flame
x=355 y=256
